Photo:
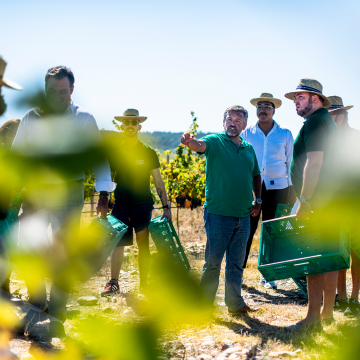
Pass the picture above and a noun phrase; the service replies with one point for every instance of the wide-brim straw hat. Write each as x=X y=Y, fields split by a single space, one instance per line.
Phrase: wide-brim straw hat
x=131 y=114
x=6 y=82
x=311 y=86
x=266 y=97
x=337 y=104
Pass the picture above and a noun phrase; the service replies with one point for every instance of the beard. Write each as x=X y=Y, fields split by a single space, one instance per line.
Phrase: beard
x=2 y=105
x=57 y=107
x=231 y=131
x=306 y=110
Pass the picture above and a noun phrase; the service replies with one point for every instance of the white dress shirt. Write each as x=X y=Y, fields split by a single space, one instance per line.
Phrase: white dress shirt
x=60 y=135
x=274 y=153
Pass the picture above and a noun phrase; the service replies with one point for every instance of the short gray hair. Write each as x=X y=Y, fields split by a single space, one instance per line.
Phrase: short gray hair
x=237 y=109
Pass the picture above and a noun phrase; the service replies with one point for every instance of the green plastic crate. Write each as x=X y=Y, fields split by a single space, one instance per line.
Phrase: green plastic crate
x=292 y=249
x=167 y=242
x=283 y=210
x=9 y=228
x=107 y=233
x=301 y=282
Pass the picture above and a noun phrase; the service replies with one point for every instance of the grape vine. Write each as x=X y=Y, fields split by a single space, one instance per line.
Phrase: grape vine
x=184 y=176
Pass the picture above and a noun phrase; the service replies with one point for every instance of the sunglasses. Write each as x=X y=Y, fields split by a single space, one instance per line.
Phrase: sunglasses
x=264 y=107
x=130 y=122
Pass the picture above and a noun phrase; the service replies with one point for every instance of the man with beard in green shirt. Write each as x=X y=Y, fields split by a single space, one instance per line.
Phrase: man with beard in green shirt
x=311 y=175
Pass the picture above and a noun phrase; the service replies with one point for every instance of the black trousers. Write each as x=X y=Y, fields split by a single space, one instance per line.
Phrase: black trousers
x=270 y=201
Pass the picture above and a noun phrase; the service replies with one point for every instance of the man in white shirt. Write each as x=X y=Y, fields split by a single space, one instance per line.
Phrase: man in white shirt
x=59 y=127
x=273 y=146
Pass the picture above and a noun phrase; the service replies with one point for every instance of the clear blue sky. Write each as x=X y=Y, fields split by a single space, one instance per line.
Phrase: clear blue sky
x=169 y=58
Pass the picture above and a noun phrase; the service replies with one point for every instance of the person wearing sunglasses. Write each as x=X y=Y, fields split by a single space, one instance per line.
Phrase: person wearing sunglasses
x=132 y=162
x=273 y=147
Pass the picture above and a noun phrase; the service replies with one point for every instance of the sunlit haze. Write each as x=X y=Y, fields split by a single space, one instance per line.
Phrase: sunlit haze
x=169 y=58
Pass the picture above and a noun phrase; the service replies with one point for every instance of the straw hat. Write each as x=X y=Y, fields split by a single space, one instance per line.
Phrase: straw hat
x=337 y=104
x=131 y=114
x=311 y=86
x=266 y=97
x=6 y=82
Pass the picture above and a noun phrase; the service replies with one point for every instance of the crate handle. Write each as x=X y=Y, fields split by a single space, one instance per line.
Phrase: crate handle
x=305 y=263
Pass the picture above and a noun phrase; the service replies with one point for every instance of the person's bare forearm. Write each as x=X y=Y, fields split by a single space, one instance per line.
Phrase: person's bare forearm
x=192 y=143
x=257 y=186
x=196 y=145
x=160 y=189
x=311 y=178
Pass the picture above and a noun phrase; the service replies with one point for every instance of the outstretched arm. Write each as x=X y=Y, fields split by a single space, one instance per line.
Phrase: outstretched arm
x=192 y=143
x=160 y=188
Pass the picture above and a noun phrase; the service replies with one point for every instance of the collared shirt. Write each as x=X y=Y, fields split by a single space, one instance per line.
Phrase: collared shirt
x=229 y=176
x=60 y=135
x=274 y=153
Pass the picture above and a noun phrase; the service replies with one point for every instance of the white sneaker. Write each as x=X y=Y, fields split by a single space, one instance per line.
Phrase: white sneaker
x=268 y=284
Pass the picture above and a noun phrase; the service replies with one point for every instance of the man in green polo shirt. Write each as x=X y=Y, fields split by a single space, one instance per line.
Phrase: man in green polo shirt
x=133 y=162
x=313 y=179
x=232 y=172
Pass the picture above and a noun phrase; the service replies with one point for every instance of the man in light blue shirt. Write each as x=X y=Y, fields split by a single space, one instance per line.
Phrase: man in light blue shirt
x=273 y=146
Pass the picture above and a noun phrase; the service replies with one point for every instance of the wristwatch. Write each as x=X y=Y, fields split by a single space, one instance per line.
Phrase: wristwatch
x=258 y=201
x=165 y=207
x=303 y=199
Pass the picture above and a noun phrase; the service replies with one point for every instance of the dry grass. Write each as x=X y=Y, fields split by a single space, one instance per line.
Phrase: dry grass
x=259 y=333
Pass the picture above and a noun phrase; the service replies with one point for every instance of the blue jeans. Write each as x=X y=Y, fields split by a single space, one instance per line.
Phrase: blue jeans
x=225 y=235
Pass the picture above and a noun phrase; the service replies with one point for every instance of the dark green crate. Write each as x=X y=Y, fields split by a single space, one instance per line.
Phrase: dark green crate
x=9 y=228
x=301 y=283
x=292 y=249
x=281 y=211
x=106 y=233
x=109 y=232
x=167 y=242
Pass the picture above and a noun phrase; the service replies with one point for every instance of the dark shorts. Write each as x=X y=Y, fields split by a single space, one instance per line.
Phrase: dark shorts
x=135 y=217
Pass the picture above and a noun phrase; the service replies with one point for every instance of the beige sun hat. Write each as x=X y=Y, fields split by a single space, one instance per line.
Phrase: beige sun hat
x=6 y=82
x=131 y=114
x=311 y=86
x=337 y=104
x=267 y=97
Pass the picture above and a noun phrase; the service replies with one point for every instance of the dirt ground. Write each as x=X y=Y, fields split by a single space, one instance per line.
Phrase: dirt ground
x=258 y=335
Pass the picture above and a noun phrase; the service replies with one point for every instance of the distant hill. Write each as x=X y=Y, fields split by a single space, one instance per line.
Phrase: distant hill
x=157 y=139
